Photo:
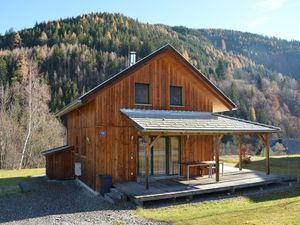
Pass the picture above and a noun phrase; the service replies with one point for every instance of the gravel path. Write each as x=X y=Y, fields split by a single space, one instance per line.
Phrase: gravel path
x=63 y=202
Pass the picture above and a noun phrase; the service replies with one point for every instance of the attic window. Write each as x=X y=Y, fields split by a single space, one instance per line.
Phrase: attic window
x=175 y=96
x=142 y=93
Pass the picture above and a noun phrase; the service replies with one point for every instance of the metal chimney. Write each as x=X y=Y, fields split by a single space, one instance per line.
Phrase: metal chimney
x=132 y=58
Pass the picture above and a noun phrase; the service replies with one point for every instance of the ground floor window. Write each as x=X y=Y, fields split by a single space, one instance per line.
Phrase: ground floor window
x=164 y=158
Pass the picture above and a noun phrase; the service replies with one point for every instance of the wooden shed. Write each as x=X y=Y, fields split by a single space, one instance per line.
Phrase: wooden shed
x=60 y=163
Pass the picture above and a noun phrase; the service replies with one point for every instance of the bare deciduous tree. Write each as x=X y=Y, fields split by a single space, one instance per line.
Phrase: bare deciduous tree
x=26 y=125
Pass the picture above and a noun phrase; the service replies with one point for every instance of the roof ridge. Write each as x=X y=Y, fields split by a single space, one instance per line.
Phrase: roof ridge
x=78 y=101
x=124 y=70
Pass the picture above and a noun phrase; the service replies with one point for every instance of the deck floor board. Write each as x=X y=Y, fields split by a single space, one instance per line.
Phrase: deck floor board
x=180 y=187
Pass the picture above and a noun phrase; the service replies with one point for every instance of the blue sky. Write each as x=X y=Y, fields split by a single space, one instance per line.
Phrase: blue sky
x=278 y=18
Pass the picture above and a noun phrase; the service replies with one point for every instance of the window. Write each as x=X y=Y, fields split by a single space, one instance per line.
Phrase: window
x=176 y=96
x=142 y=94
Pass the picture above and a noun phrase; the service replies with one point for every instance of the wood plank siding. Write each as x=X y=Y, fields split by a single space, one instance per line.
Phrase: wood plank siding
x=60 y=166
x=110 y=140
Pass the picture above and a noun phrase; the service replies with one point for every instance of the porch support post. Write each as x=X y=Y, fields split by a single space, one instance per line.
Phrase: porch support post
x=149 y=145
x=267 y=154
x=217 y=139
x=147 y=140
x=239 y=151
x=265 y=140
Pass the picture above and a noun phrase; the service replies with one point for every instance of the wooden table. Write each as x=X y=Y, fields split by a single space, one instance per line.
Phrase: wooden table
x=200 y=164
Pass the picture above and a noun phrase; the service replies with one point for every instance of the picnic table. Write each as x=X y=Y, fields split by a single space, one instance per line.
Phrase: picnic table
x=201 y=164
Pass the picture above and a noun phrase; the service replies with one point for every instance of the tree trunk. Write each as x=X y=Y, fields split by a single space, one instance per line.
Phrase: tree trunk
x=1 y=126
x=29 y=124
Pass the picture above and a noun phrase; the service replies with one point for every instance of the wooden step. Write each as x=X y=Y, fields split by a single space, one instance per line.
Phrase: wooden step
x=118 y=194
x=109 y=198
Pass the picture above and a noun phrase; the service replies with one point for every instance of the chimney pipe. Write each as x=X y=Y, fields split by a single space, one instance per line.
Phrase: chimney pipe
x=132 y=58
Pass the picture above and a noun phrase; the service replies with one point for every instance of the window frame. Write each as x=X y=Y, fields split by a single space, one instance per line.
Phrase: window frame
x=149 y=94
x=181 y=96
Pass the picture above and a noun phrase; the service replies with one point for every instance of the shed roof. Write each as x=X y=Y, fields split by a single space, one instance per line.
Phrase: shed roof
x=79 y=101
x=56 y=150
x=152 y=121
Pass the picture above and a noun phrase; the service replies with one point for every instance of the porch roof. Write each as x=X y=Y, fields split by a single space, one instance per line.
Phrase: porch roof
x=165 y=121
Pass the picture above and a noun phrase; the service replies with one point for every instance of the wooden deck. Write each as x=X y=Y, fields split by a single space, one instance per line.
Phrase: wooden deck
x=233 y=179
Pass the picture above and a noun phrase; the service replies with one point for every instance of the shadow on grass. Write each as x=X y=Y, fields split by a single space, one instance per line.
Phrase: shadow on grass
x=283 y=194
x=287 y=166
x=11 y=185
x=49 y=198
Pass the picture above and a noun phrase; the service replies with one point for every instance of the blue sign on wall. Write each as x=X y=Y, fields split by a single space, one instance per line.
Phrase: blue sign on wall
x=102 y=133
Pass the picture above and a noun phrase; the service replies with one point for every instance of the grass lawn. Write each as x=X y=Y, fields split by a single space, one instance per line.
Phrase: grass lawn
x=9 y=179
x=272 y=208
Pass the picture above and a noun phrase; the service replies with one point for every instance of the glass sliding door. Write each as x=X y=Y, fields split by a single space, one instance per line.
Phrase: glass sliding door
x=174 y=155
x=164 y=158
x=142 y=158
x=158 y=157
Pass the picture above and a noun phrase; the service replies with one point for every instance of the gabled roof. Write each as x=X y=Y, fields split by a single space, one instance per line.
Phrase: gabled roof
x=164 y=121
x=80 y=100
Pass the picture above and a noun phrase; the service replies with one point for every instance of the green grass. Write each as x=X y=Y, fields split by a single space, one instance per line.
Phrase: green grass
x=272 y=208
x=9 y=179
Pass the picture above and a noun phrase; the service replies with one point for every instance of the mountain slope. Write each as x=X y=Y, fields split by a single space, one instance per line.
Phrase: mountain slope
x=75 y=54
x=276 y=54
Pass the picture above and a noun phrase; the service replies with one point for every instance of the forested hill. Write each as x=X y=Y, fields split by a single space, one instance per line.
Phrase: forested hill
x=75 y=54
x=276 y=54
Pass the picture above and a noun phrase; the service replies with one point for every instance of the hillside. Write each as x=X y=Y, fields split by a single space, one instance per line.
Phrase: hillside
x=275 y=54
x=75 y=54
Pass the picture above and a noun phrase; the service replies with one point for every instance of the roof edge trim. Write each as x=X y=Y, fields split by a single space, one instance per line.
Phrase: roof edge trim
x=68 y=108
x=56 y=150
x=248 y=121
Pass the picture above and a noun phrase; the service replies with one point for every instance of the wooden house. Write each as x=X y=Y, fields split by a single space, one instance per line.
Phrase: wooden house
x=149 y=120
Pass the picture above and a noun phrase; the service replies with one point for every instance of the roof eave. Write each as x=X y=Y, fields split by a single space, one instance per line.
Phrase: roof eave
x=55 y=150
x=208 y=131
x=251 y=122
x=73 y=105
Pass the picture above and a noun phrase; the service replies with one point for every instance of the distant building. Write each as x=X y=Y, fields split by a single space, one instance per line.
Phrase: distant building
x=285 y=146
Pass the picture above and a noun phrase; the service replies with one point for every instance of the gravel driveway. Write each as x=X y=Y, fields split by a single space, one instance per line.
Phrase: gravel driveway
x=63 y=202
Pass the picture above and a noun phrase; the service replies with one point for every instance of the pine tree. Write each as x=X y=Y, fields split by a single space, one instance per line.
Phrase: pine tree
x=43 y=38
x=15 y=40
x=21 y=71
x=259 y=83
x=3 y=71
x=221 y=70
